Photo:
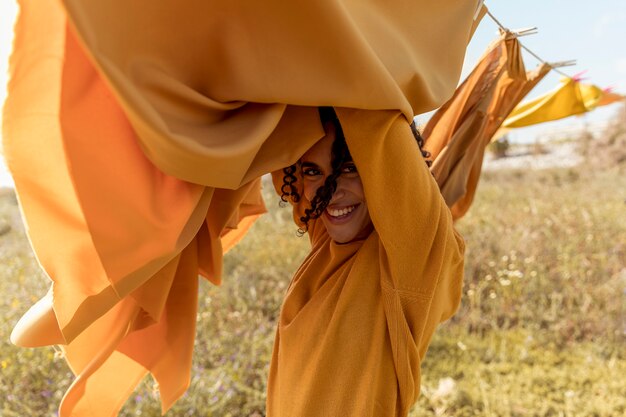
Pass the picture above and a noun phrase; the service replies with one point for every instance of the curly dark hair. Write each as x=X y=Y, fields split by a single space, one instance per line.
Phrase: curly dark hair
x=340 y=154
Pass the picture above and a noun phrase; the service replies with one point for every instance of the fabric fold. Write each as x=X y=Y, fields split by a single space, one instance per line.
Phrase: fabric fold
x=181 y=111
x=107 y=226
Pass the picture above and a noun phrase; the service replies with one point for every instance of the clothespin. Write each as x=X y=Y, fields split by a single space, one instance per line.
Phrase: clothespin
x=559 y=64
x=525 y=31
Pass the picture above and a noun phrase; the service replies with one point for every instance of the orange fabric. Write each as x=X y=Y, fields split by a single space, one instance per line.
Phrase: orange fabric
x=358 y=318
x=107 y=225
x=457 y=134
x=610 y=98
x=136 y=137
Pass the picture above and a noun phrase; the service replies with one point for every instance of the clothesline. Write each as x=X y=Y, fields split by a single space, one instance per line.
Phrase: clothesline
x=497 y=22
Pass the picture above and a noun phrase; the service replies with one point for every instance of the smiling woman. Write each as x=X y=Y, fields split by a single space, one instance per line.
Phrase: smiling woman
x=385 y=267
x=332 y=184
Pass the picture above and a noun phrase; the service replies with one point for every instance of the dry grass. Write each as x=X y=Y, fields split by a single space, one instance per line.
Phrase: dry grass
x=540 y=331
x=609 y=149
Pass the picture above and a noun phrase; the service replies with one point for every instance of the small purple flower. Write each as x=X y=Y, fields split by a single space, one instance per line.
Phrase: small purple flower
x=138 y=398
x=46 y=393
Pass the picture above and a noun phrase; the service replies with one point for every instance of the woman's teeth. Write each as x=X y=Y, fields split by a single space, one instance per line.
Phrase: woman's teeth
x=340 y=212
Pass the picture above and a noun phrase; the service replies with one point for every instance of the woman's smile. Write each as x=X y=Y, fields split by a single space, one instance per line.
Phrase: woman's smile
x=340 y=214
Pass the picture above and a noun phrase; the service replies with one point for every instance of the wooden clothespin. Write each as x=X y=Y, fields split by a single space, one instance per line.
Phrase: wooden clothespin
x=525 y=31
x=560 y=64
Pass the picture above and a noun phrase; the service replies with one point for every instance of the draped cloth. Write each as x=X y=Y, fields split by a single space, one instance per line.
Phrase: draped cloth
x=609 y=97
x=358 y=54
x=457 y=134
x=136 y=134
x=570 y=98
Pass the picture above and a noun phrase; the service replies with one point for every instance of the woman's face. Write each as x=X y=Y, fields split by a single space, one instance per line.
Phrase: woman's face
x=346 y=217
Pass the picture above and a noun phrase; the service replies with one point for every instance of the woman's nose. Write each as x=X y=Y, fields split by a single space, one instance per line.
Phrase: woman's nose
x=340 y=191
x=338 y=194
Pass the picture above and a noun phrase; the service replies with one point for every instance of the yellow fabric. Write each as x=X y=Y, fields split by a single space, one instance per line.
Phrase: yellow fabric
x=568 y=99
x=458 y=132
x=136 y=135
x=591 y=95
x=118 y=238
x=358 y=317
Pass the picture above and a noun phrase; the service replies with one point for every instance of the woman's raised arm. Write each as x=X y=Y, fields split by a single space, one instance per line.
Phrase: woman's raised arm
x=421 y=255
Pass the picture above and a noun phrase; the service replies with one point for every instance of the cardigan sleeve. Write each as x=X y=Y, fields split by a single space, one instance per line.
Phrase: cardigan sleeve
x=420 y=255
x=408 y=212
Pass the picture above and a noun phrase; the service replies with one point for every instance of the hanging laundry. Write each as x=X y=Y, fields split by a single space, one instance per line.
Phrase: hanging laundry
x=568 y=99
x=457 y=134
x=609 y=97
x=591 y=95
x=136 y=138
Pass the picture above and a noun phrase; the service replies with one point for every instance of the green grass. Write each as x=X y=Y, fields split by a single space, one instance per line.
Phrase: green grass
x=540 y=331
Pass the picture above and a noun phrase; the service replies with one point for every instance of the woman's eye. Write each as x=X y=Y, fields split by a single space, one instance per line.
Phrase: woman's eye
x=348 y=169
x=310 y=172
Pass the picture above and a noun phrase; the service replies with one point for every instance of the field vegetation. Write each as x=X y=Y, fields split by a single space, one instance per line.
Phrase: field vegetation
x=540 y=332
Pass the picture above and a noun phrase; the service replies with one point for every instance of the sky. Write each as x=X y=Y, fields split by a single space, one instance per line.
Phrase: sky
x=7 y=15
x=593 y=33
x=8 y=10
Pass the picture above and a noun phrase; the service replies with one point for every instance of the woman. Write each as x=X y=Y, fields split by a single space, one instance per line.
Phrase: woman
x=385 y=267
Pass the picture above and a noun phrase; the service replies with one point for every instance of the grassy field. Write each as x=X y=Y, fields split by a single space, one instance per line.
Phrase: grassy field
x=541 y=330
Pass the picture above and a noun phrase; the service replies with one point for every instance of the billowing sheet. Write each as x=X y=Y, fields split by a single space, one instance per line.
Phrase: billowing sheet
x=136 y=133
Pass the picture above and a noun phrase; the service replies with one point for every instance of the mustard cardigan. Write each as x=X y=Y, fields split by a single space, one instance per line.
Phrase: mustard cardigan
x=358 y=317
